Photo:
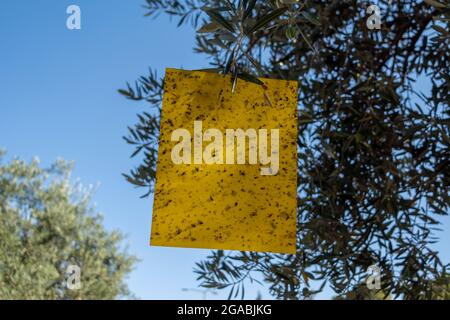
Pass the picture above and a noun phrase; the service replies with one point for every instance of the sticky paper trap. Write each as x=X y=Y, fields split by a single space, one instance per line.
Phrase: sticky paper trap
x=203 y=202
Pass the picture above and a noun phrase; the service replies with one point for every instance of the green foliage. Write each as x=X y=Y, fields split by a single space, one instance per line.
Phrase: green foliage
x=440 y=290
x=374 y=151
x=47 y=224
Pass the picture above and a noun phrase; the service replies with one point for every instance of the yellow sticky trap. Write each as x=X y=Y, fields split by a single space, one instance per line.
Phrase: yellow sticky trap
x=227 y=164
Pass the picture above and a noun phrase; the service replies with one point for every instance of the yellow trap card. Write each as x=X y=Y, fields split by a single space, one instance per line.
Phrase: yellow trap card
x=226 y=175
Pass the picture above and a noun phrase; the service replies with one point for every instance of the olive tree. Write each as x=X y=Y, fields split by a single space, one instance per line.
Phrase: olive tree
x=49 y=231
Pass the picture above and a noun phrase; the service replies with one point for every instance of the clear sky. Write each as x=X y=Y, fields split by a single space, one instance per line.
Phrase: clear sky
x=59 y=99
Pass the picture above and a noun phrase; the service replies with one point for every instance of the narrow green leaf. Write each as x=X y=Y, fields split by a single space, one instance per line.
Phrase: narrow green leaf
x=210 y=70
x=249 y=9
x=217 y=17
x=229 y=62
x=255 y=63
x=310 y=18
x=124 y=93
x=231 y=293
x=209 y=27
x=435 y=3
x=250 y=78
x=263 y=21
x=440 y=29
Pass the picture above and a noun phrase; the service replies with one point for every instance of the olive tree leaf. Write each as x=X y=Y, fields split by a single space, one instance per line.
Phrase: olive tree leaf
x=229 y=63
x=435 y=3
x=249 y=9
x=250 y=78
x=266 y=19
x=209 y=27
x=310 y=18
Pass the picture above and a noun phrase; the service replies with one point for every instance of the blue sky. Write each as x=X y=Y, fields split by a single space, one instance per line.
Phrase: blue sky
x=59 y=99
